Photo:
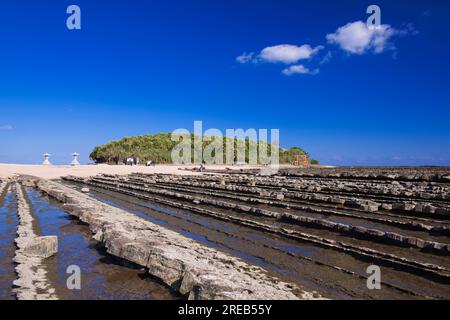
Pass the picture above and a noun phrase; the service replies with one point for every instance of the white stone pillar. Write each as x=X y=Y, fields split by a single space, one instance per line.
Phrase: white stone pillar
x=46 y=161
x=75 y=159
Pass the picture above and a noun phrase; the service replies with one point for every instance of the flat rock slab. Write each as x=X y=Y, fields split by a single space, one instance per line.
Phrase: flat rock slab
x=191 y=268
x=31 y=282
x=42 y=247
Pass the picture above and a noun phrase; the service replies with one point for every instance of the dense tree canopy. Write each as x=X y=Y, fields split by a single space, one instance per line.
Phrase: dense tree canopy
x=158 y=148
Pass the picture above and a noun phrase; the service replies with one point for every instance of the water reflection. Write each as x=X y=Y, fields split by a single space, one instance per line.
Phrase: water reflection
x=103 y=276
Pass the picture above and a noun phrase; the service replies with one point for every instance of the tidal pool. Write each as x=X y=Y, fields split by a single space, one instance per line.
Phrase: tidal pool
x=102 y=275
x=8 y=229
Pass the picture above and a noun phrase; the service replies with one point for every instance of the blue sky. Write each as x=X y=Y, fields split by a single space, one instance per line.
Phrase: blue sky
x=346 y=95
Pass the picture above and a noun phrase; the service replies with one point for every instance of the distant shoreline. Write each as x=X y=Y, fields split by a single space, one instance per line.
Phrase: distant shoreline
x=58 y=171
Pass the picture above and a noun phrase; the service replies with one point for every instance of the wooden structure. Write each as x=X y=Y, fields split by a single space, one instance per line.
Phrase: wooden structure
x=301 y=160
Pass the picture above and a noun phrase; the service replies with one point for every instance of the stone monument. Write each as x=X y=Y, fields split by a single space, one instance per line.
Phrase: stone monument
x=75 y=159
x=46 y=161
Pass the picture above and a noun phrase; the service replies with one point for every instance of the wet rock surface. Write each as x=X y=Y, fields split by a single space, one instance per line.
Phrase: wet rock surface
x=197 y=271
x=102 y=276
x=32 y=282
x=42 y=247
x=8 y=228
x=392 y=218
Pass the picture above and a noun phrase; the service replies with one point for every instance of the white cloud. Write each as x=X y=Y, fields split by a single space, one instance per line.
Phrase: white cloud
x=287 y=53
x=6 y=127
x=298 y=69
x=283 y=53
x=354 y=38
x=408 y=29
x=246 y=57
x=358 y=38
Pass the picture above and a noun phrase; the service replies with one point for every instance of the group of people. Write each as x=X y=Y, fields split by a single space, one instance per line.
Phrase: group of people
x=135 y=161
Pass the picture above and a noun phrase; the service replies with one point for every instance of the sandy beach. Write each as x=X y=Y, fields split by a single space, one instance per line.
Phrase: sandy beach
x=55 y=172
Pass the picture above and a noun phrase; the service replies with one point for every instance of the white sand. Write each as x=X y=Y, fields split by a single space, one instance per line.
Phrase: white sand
x=55 y=172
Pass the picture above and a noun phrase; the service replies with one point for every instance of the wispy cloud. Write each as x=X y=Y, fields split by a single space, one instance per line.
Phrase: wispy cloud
x=327 y=58
x=6 y=127
x=282 y=53
x=246 y=58
x=427 y=13
x=287 y=53
x=298 y=69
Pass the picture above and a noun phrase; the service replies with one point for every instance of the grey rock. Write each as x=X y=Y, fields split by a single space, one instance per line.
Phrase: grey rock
x=43 y=247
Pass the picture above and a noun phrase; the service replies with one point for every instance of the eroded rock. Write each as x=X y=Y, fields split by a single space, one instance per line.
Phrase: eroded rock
x=187 y=266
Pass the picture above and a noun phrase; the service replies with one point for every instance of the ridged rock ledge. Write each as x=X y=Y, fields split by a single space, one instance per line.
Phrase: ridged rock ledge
x=31 y=282
x=192 y=269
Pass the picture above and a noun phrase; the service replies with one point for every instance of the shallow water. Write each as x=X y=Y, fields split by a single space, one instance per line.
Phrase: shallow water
x=102 y=276
x=150 y=208
x=8 y=229
x=331 y=282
